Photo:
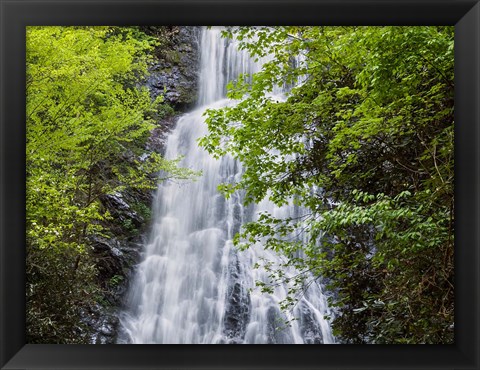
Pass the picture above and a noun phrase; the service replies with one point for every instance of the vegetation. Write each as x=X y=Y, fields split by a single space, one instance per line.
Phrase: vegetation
x=365 y=145
x=87 y=124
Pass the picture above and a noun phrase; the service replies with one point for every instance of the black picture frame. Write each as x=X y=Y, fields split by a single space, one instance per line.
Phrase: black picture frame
x=17 y=14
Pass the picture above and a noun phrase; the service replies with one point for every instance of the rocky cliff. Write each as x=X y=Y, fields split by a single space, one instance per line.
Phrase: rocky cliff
x=174 y=74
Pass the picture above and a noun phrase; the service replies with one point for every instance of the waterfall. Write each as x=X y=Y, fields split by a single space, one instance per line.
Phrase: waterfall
x=193 y=285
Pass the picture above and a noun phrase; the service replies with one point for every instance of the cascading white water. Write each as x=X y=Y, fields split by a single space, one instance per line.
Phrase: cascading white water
x=193 y=286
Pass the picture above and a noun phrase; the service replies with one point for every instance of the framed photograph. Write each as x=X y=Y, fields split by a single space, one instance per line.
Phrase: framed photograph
x=178 y=176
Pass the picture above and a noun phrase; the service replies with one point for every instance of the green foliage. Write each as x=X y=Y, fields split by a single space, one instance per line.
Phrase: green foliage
x=87 y=124
x=60 y=284
x=365 y=144
x=143 y=211
x=116 y=280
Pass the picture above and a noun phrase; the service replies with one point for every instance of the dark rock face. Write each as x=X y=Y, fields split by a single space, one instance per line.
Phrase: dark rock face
x=104 y=325
x=121 y=210
x=309 y=327
x=237 y=313
x=114 y=261
x=158 y=136
x=115 y=258
x=175 y=75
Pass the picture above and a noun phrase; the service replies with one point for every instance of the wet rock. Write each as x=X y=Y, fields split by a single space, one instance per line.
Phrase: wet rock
x=309 y=326
x=237 y=217
x=174 y=75
x=158 y=136
x=104 y=325
x=237 y=311
x=108 y=257
x=101 y=244
x=235 y=341
x=121 y=210
x=114 y=261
